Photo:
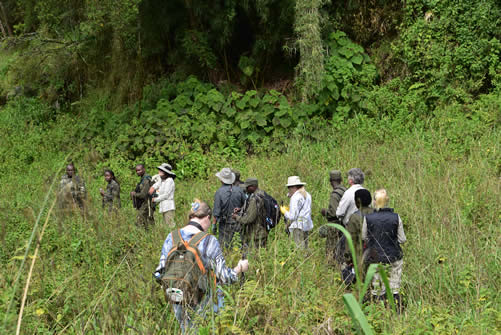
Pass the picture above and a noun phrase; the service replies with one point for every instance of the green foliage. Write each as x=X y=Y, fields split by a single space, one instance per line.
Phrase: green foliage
x=94 y=275
x=195 y=118
x=448 y=44
x=349 y=77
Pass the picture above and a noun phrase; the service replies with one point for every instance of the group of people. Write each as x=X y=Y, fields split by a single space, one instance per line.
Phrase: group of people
x=375 y=229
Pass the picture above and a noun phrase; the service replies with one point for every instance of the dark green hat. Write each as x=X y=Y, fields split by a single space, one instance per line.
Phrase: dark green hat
x=250 y=182
x=335 y=175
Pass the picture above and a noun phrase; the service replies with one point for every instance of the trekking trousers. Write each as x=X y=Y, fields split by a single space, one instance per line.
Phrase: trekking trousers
x=226 y=232
x=395 y=276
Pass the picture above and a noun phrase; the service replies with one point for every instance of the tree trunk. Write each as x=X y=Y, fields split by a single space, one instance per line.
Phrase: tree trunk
x=5 y=21
x=4 y=33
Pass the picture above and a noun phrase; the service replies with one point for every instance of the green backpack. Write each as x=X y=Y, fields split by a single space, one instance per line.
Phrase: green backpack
x=184 y=279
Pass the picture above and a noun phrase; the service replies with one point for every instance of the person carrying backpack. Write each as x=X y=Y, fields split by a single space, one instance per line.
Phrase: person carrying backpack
x=253 y=216
x=190 y=261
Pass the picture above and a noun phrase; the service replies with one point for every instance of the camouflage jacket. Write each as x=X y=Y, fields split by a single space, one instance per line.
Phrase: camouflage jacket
x=253 y=214
x=141 y=190
x=71 y=190
x=111 y=198
x=335 y=198
x=354 y=227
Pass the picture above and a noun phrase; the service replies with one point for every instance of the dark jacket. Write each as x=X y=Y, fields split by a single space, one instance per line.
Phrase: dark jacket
x=382 y=237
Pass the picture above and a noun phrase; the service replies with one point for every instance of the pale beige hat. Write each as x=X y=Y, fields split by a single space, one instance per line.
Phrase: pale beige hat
x=294 y=181
x=226 y=176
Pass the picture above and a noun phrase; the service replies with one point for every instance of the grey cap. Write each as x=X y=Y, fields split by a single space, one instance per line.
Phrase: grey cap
x=335 y=175
x=250 y=182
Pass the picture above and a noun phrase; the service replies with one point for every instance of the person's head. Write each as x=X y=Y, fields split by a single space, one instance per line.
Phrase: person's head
x=109 y=175
x=70 y=170
x=165 y=171
x=363 y=198
x=251 y=185
x=237 y=177
x=335 y=177
x=140 y=170
x=294 y=184
x=381 y=198
x=355 y=176
x=201 y=213
x=226 y=176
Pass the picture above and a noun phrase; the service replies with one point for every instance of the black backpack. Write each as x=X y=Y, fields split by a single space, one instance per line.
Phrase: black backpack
x=272 y=211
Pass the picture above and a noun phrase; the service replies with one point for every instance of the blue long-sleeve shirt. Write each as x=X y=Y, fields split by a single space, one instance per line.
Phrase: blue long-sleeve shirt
x=210 y=252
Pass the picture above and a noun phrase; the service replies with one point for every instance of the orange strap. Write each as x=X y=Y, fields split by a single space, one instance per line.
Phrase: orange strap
x=190 y=248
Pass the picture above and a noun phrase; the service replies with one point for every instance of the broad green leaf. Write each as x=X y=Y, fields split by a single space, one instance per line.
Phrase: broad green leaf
x=254 y=102
x=285 y=122
x=260 y=120
x=368 y=278
x=357 y=316
x=241 y=104
x=334 y=91
x=346 y=51
x=244 y=124
x=357 y=59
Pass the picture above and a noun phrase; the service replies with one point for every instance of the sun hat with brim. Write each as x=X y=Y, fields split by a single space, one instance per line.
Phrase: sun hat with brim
x=294 y=181
x=250 y=182
x=166 y=168
x=226 y=176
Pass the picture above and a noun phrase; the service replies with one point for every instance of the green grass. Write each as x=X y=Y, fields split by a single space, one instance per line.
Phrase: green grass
x=94 y=276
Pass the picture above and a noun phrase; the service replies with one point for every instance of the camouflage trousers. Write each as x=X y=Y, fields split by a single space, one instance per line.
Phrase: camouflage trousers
x=145 y=217
x=168 y=218
x=395 y=275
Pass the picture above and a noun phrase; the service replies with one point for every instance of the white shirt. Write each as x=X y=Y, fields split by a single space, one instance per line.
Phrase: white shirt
x=299 y=213
x=347 y=205
x=165 y=190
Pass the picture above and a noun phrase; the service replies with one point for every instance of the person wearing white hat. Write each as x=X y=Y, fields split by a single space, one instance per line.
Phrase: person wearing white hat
x=227 y=198
x=164 y=193
x=299 y=212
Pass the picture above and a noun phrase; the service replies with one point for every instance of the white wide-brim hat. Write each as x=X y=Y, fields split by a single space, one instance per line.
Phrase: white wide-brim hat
x=167 y=168
x=294 y=181
x=226 y=176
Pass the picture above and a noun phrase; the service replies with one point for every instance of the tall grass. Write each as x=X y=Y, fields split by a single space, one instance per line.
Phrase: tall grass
x=94 y=275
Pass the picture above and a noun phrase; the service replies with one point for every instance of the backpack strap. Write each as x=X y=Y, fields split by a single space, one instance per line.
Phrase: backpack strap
x=197 y=238
x=176 y=238
x=191 y=245
x=339 y=192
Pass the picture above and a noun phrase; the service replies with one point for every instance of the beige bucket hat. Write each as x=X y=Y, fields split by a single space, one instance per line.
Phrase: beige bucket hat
x=294 y=181
x=226 y=176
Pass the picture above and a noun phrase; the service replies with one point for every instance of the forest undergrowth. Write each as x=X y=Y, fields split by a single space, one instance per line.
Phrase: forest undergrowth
x=94 y=275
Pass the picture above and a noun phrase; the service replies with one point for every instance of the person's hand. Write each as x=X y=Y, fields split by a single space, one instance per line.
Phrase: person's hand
x=234 y=216
x=242 y=266
x=236 y=209
x=133 y=193
x=101 y=191
x=154 y=199
x=323 y=212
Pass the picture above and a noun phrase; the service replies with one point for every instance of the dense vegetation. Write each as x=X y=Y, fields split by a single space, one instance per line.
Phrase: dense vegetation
x=408 y=91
